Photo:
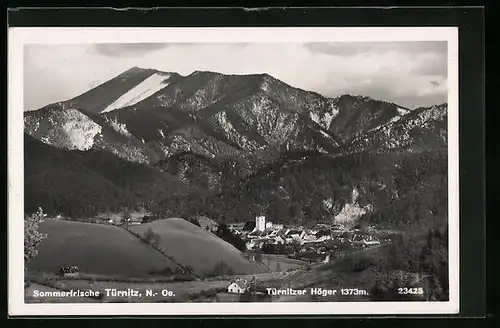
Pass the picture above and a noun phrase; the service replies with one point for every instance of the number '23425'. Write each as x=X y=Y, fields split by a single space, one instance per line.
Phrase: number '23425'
x=414 y=291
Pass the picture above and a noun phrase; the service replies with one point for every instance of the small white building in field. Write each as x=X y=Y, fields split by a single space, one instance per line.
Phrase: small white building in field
x=237 y=287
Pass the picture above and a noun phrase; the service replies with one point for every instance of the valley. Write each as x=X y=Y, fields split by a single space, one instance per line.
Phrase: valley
x=201 y=154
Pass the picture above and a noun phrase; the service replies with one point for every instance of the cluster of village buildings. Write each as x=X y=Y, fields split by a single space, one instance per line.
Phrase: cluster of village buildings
x=319 y=240
x=259 y=233
x=315 y=238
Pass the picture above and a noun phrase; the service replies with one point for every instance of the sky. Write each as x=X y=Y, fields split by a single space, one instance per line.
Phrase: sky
x=409 y=73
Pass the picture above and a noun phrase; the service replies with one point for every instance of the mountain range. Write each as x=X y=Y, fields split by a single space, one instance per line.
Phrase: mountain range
x=228 y=146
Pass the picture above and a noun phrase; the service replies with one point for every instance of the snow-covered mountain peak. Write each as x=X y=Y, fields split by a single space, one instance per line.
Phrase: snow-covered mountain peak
x=142 y=110
x=143 y=90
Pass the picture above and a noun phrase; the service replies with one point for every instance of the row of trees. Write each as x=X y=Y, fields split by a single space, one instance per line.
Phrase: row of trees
x=152 y=238
x=226 y=234
x=278 y=249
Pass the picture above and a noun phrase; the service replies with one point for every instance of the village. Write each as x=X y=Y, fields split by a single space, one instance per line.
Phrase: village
x=298 y=242
x=312 y=244
x=319 y=243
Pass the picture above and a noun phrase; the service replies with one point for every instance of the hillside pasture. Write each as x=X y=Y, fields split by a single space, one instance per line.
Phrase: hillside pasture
x=190 y=245
x=96 y=248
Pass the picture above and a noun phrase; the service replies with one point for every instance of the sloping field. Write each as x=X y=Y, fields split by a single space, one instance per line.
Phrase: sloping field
x=95 y=248
x=188 y=244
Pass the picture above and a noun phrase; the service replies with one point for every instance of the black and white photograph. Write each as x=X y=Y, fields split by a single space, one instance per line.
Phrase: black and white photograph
x=172 y=170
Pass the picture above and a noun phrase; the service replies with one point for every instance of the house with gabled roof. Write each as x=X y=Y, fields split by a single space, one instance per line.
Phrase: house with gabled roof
x=292 y=232
x=267 y=232
x=255 y=233
x=238 y=286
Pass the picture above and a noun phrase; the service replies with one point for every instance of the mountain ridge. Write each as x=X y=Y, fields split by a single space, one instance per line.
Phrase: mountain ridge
x=215 y=133
x=253 y=111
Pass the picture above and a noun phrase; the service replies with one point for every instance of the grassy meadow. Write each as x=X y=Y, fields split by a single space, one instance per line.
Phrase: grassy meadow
x=96 y=249
x=190 y=245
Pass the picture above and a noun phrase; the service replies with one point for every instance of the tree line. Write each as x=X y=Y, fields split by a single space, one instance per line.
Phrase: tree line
x=83 y=184
x=425 y=255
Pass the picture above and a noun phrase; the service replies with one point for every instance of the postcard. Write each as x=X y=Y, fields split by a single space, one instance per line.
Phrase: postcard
x=233 y=171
